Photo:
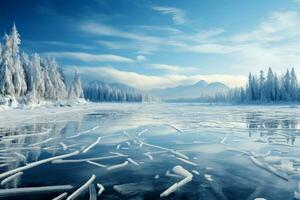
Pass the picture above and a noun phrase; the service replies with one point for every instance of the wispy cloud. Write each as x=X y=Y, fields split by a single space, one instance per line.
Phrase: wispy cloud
x=47 y=43
x=141 y=58
x=148 y=82
x=274 y=42
x=209 y=48
x=178 y=15
x=173 y=69
x=141 y=42
x=202 y=36
x=87 y=57
x=105 y=30
x=137 y=46
x=278 y=26
x=199 y=42
x=167 y=29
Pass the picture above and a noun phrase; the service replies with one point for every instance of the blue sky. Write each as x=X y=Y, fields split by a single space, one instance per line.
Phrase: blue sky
x=153 y=44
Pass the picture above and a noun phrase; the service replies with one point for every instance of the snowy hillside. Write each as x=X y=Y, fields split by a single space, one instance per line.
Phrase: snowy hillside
x=99 y=91
x=31 y=80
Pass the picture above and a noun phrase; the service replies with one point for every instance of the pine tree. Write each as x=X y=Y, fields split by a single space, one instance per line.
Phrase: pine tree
x=18 y=76
x=15 y=41
x=6 y=83
x=270 y=87
x=294 y=86
x=249 y=88
x=255 y=88
x=261 y=87
x=75 y=90
x=277 y=88
x=57 y=89
x=286 y=86
x=38 y=77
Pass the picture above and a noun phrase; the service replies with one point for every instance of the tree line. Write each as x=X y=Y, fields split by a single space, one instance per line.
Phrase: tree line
x=98 y=91
x=262 y=89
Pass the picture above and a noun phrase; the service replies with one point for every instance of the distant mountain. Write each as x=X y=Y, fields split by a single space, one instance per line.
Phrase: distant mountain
x=201 y=88
x=99 y=91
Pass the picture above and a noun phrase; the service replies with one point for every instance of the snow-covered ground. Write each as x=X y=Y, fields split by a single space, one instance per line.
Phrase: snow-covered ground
x=150 y=151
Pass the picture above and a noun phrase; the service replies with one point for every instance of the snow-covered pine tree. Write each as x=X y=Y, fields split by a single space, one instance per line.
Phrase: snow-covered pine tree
x=55 y=88
x=37 y=75
x=6 y=83
x=15 y=41
x=75 y=90
x=261 y=87
x=18 y=76
x=277 y=88
x=249 y=88
x=294 y=86
x=269 y=86
x=255 y=88
x=286 y=87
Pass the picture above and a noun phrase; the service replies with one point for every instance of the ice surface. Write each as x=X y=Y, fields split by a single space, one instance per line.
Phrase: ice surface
x=96 y=164
x=34 y=164
x=61 y=196
x=187 y=161
x=81 y=189
x=88 y=159
x=227 y=148
x=208 y=177
x=33 y=190
x=63 y=145
x=86 y=149
x=101 y=189
x=187 y=177
x=92 y=190
x=129 y=189
x=133 y=162
x=117 y=166
x=10 y=178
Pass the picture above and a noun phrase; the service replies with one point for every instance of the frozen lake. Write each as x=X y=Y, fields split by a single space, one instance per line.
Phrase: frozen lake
x=232 y=152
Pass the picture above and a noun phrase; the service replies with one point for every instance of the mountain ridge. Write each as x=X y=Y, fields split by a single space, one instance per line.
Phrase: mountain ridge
x=195 y=90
